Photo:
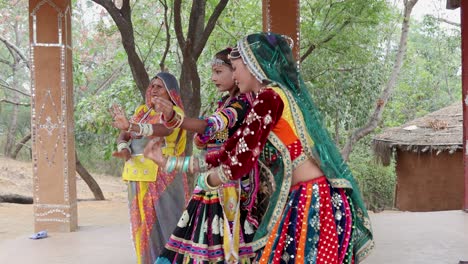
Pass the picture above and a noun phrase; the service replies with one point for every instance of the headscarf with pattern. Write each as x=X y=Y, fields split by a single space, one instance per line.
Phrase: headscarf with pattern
x=146 y=113
x=172 y=87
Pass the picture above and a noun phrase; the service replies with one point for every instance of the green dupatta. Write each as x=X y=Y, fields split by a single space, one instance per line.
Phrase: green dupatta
x=269 y=58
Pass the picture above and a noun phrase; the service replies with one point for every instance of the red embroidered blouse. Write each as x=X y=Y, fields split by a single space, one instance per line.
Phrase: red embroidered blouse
x=240 y=152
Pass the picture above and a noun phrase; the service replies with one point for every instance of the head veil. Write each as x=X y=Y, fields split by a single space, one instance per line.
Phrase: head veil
x=269 y=58
x=172 y=88
x=146 y=114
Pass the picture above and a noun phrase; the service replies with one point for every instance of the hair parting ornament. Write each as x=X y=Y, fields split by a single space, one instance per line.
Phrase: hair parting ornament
x=272 y=39
x=222 y=58
x=244 y=50
x=235 y=54
x=218 y=62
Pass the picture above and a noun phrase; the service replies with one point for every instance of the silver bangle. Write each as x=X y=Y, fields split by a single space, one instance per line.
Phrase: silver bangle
x=147 y=130
x=123 y=145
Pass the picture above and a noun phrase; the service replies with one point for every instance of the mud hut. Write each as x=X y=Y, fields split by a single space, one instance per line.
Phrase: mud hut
x=429 y=160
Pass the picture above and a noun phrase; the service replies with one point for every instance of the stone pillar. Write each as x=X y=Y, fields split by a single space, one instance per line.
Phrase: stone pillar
x=52 y=124
x=283 y=17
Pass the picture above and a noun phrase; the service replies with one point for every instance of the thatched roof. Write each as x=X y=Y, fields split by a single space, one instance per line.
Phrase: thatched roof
x=438 y=131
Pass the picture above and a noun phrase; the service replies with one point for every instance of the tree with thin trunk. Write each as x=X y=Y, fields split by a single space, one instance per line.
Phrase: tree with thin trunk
x=89 y=180
x=191 y=46
x=20 y=145
x=376 y=116
x=15 y=65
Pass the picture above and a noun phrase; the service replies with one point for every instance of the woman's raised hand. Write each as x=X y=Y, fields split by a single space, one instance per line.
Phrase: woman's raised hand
x=153 y=151
x=120 y=121
x=123 y=154
x=164 y=106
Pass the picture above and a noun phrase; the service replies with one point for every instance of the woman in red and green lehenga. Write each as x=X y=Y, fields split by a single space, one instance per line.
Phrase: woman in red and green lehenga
x=217 y=225
x=316 y=213
x=156 y=198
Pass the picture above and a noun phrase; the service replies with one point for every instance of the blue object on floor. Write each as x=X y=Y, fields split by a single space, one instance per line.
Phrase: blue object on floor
x=39 y=235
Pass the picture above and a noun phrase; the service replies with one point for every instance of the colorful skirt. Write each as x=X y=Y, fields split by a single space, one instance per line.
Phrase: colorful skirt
x=316 y=227
x=212 y=229
x=155 y=208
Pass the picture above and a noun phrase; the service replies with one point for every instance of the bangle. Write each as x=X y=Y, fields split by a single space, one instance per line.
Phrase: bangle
x=172 y=116
x=179 y=163
x=129 y=127
x=150 y=130
x=185 y=166
x=146 y=129
x=123 y=145
x=210 y=187
x=181 y=120
x=191 y=164
x=140 y=129
x=170 y=164
x=202 y=182
x=175 y=122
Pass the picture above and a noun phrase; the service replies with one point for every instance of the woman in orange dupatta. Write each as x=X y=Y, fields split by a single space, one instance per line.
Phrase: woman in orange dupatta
x=156 y=198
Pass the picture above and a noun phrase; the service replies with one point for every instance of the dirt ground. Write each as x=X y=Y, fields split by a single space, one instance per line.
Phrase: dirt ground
x=16 y=219
x=16 y=178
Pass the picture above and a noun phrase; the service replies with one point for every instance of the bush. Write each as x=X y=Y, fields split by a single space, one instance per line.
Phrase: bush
x=377 y=182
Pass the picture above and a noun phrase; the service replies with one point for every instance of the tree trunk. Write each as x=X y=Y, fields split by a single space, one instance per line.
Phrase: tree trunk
x=20 y=145
x=15 y=198
x=376 y=117
x=92 y=184
x=11 y=133
x=190 y=88
x=191 y=46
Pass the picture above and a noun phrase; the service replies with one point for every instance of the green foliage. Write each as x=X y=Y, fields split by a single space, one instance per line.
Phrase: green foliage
x=23 y=127
x=14 y=75
x=94 y=127
x=430 y=77
x=92 y=156
x=345 y=71
x=377 y=183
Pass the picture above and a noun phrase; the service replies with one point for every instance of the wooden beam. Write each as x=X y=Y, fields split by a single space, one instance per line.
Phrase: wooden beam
x=453 y=4
x=464 y=50
x=283 y=17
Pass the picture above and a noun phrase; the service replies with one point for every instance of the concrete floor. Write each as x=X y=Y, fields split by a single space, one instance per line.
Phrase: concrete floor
x=98 y=244
x=401 y=237
x=420 y=238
